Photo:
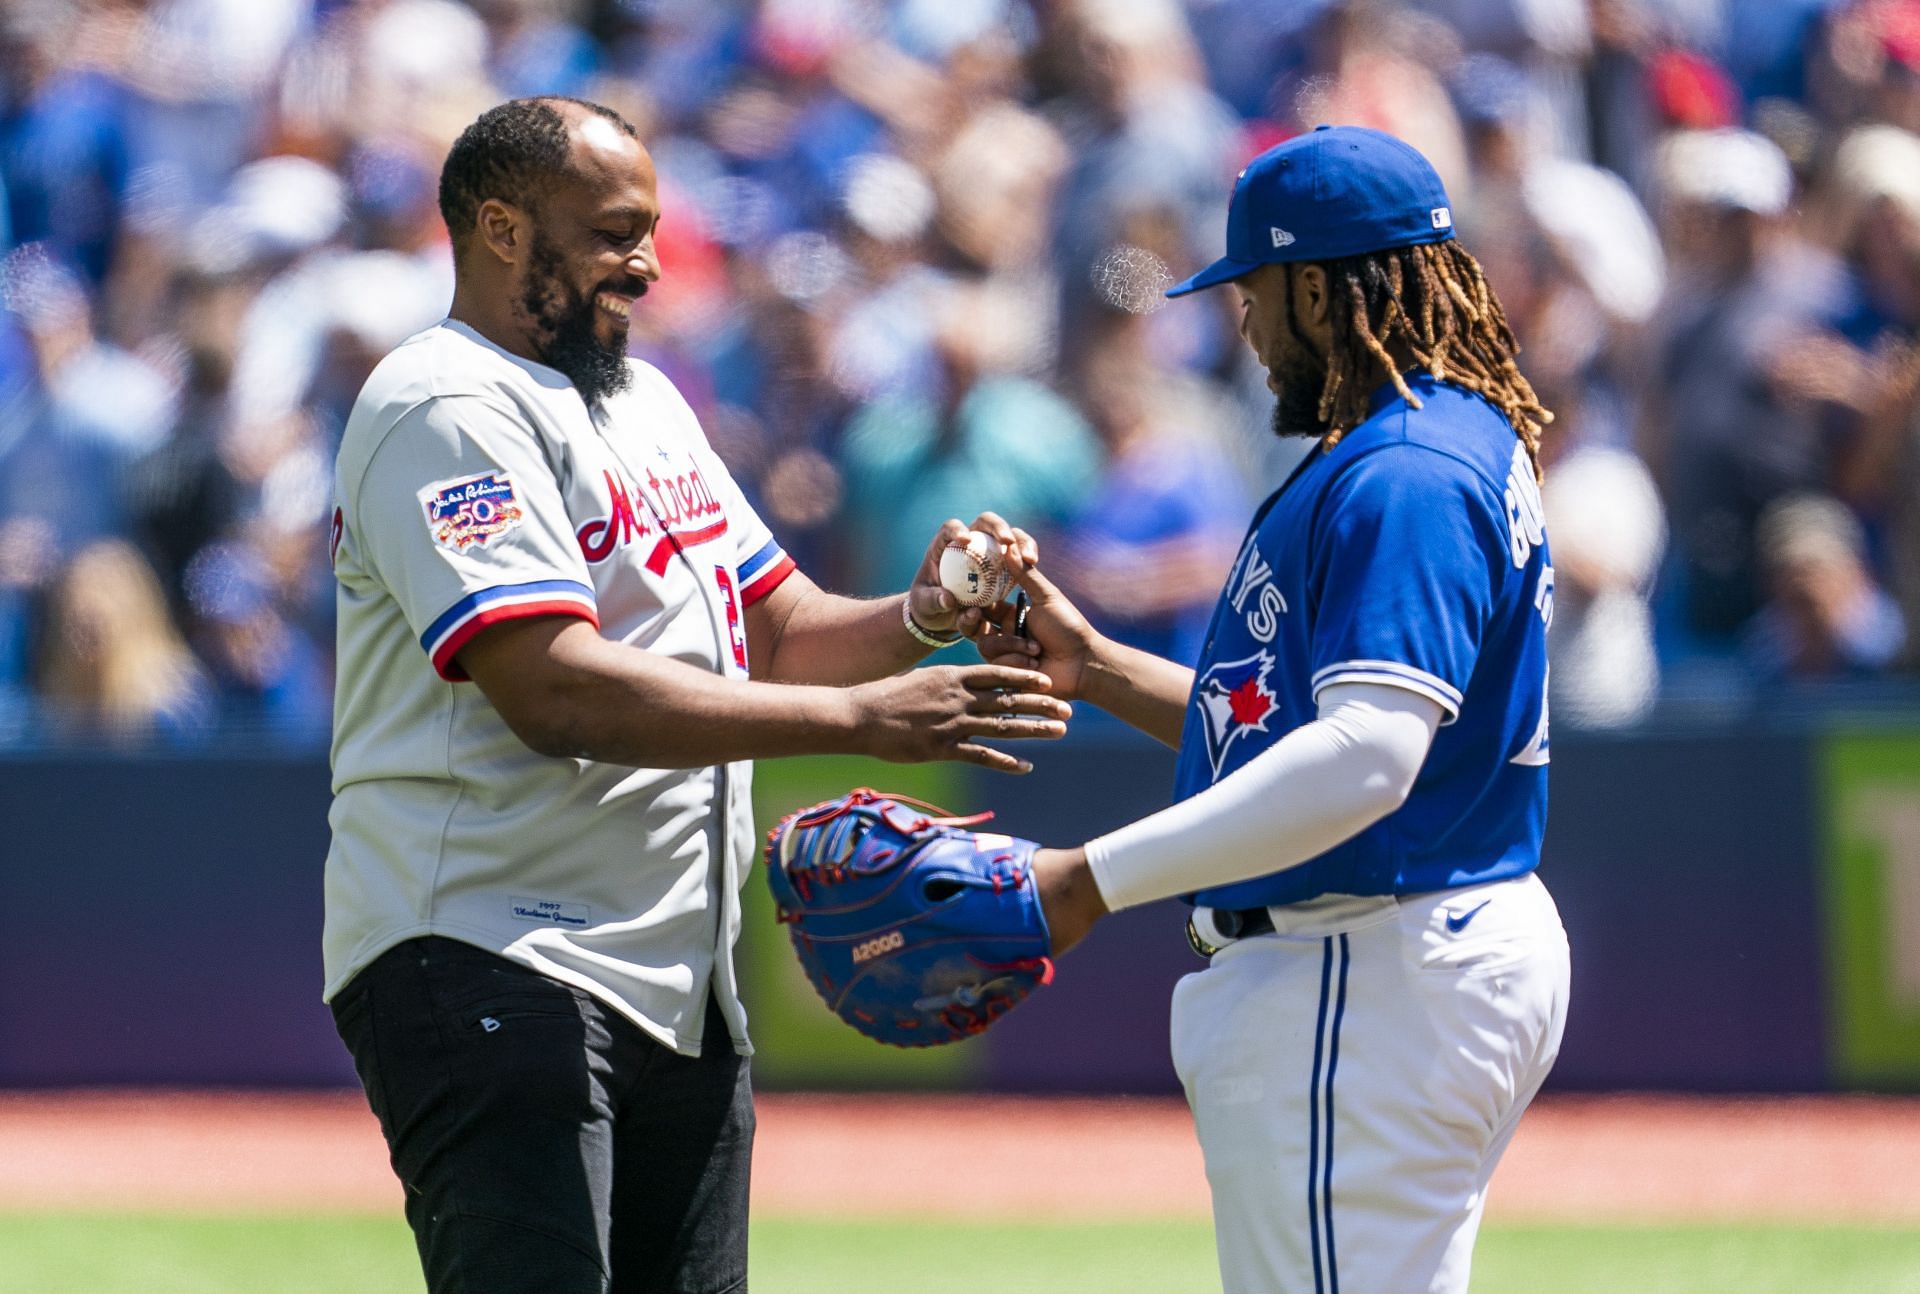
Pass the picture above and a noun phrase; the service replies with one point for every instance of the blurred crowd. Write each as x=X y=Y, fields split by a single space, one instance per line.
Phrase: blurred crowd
x=913 y=254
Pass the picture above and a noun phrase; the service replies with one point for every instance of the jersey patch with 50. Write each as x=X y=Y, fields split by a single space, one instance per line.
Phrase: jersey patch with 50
x=472 y=510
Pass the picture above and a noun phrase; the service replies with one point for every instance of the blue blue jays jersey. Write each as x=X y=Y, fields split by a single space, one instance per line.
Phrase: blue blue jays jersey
x=1414 y=553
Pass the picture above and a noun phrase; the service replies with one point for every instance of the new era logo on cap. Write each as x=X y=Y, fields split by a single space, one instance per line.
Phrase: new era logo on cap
x=1442 y=218
x=1280 y=236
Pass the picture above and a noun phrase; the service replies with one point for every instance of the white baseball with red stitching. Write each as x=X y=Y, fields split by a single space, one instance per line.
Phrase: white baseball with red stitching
x=974 y=569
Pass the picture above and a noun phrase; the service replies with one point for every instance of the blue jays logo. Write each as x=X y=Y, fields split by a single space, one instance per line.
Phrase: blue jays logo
x=1234 y=700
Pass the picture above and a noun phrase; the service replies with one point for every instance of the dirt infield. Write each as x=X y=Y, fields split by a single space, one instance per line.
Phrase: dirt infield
x=1576 y=1158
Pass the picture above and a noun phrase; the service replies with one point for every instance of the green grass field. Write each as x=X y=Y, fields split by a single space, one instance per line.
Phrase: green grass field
x=102 y=1254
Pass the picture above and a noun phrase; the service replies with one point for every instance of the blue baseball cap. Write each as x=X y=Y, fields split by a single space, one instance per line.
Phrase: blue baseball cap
x=1334 y=191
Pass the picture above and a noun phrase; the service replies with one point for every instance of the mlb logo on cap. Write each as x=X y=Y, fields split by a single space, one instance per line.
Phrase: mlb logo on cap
x=1334 y=191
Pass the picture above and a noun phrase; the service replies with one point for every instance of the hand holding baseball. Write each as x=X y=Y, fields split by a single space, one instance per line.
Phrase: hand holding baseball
x=1058 y=640
x=933 y=606
x=974 y=569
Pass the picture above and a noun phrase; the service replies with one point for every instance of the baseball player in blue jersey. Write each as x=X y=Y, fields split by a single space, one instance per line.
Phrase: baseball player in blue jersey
x=1362 y=780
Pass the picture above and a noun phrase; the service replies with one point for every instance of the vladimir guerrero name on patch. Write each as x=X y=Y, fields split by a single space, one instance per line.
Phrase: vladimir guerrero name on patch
x=546 y=912
x=472 y=510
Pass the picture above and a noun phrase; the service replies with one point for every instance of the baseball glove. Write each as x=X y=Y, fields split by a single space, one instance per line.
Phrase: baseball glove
x=913 y=929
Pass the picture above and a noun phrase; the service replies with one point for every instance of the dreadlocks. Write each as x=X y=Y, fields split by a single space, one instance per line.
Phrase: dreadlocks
x=1434 y=300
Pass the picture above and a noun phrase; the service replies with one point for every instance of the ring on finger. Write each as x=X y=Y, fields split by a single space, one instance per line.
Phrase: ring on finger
x=1000 y=723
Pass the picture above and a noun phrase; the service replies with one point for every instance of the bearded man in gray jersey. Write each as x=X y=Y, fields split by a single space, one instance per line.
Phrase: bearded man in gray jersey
x=557 y=619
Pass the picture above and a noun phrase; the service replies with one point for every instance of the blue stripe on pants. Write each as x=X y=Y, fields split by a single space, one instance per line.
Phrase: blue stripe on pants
x=1313 y=1117
x=1333 y=1065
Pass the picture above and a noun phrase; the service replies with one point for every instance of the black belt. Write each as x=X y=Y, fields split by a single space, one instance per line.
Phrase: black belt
x=1233 y=923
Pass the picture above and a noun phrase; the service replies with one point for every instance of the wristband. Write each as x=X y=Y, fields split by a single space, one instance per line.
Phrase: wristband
x=925 y=636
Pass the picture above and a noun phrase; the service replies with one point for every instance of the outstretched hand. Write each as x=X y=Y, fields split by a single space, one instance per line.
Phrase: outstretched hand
x=950 y=711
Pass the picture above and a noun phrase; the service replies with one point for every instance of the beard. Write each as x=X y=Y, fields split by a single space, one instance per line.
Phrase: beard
x=563 y=326
x=1296 y=410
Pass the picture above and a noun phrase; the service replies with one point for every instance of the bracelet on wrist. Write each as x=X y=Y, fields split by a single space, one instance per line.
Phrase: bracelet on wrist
x=923 y=635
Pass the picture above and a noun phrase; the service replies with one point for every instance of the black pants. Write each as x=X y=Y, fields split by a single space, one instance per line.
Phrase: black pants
x=545 y=1142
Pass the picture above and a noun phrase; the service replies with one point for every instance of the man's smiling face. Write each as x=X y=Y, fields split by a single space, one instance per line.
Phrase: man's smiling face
x=591 y=257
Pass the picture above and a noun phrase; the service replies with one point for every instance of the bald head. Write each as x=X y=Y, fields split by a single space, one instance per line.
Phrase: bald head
x=524 y=149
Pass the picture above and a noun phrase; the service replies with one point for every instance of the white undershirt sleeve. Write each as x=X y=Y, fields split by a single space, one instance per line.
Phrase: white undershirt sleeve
x=1321 y=784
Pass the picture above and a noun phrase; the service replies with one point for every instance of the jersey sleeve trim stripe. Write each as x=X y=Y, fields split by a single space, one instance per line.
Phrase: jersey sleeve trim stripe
x=768 y=555
x=1445 y=689
x=1393 y=674
x=456 y=626
x=752 y=590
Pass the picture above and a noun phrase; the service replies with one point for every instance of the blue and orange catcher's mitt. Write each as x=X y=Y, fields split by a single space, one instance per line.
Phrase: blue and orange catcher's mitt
x=914 y=929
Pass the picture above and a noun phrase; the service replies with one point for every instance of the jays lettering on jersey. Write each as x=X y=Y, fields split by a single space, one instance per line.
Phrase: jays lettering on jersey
x=1414 y=555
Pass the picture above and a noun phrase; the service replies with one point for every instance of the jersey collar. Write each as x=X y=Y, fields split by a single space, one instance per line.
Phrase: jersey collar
x=549 y=377
x=1418 y=381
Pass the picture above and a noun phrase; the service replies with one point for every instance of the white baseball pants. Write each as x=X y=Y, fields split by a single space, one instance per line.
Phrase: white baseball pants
x=1356 y=1076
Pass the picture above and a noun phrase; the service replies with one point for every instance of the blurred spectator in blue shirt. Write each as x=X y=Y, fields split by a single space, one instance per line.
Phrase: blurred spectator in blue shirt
x=27 y=560
x=987 y=440
x=1147 y=551
x=91 y=411
x=1123 y=83
x=1880 y=479
x=64 y=151
x=1825 y=616
x=1729 y=428
x=536 y=49
x=268 y=677
x=1767 y=44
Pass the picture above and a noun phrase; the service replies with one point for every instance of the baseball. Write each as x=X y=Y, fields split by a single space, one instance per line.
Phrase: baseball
x=974 y=570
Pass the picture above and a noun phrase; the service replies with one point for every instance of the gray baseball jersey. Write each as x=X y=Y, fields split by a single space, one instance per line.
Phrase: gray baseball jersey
x=475 y=487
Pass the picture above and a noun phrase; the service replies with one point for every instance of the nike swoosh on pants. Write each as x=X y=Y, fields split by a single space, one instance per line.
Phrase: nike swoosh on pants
x=1456 y=924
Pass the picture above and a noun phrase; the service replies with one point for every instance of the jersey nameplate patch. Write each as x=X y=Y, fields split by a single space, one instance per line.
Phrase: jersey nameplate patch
x=550 y=912
x=472 y=511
